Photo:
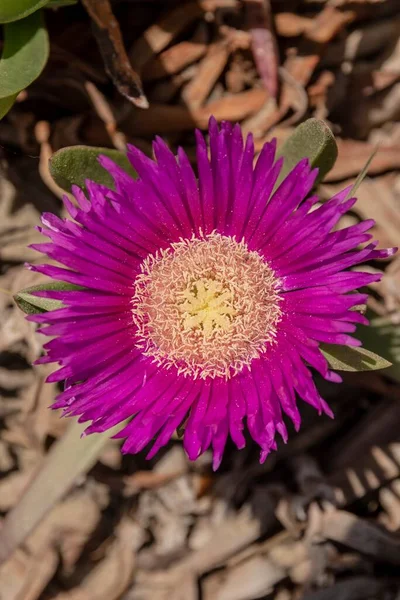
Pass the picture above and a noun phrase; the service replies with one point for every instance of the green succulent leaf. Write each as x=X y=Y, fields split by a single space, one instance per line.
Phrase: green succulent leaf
x=313 y=140
x=74 y=164
x=13 y=10
x=31 y=304
x=348 y=358
x=6 y=103
x=25 y=53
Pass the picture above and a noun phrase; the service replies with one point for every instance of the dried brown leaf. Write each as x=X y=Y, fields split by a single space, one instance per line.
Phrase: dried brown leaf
x=352 y=156
x=111 y=45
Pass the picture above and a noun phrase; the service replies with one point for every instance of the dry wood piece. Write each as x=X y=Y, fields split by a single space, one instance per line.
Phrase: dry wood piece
x=291 y=25
x=389 y=497
x=25 y=576
x=380 y=465
x=161 y=34
x=209 y=70
x=253 y=578
x=105 y=113
x=360 y=535
x=328 y=24
x=109 y=579
x=111 y=45
x=177 y=57
x=353 y=156
x=42 y=133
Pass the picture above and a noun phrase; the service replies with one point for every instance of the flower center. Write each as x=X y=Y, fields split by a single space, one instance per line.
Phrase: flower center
x=207 y=306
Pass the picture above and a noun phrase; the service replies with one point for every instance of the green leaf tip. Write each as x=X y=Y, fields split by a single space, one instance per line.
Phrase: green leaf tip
x=349 y=358
x=74 y=164
x=25 y=53
x=31 y=304
x=313 y=140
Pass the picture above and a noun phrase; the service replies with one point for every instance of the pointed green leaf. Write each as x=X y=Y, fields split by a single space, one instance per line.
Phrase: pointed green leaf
x=31 y=304
x=313 y=140
x=347 y=358
x=25 y=53
x=12 y=10
x=6 y=103
x=75 y=164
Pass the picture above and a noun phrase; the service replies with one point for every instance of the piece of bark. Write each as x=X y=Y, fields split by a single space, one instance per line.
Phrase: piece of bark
x=25 y=576
x=209 y=70
x=389 y=498
x=175 y=59
x=353 y=155
x=110 y=578
x=105 y=112
x=159 y=35
x=254 y=578
x=378 y=467
x=328 y=24
x=360 y=535
x=111 y=45
x=292 y=25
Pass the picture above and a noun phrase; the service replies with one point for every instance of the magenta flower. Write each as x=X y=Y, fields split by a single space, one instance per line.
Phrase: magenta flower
x=204 y=300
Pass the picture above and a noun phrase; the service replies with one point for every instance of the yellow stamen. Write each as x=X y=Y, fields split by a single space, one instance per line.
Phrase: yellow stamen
x=207 y=306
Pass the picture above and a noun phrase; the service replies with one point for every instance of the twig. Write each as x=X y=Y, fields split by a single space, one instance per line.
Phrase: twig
x=105 y=113
x=42 y=134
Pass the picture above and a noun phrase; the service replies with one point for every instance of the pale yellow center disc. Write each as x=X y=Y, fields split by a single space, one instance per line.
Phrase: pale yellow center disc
x=207 y=306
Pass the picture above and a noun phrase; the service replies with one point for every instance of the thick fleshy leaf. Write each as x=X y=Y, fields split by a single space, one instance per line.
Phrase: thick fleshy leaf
x=25 y=53
x=13 y=10
x=6 y=103
x=349 y=358
x=74 y=164
x=313 y=140
x=31 y=304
